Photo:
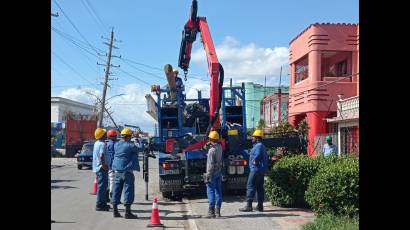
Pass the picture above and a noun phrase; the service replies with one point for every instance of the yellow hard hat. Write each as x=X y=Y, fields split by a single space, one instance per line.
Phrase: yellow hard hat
x=214 y=135
x=258 y=133
x=126 y=131
x=99 y=132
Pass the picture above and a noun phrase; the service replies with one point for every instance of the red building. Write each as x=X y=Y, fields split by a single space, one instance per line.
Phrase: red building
x=323 y=64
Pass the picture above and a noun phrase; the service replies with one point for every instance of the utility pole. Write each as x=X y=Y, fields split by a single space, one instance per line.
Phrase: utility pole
x=107 y=73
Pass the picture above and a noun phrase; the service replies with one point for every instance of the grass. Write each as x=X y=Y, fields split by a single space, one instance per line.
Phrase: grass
x=330 y=222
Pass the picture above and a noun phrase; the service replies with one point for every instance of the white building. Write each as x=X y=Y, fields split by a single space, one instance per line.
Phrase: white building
x=61 y=108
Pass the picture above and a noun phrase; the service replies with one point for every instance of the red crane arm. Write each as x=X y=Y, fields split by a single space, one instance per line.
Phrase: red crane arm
x=192 y=27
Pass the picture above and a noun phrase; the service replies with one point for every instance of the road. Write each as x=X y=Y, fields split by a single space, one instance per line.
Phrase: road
x=73 y=207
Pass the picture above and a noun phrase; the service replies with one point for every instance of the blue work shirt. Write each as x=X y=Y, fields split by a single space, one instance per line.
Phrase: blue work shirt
x=125 y=157
x=99 y=149
x=328 y=149
x=110 y=152
x=259 y=155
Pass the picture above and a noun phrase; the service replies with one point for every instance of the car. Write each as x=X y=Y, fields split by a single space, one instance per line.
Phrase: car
x=85 y=155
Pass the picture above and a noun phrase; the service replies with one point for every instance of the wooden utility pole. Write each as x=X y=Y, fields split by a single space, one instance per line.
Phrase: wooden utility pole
x=107 y=73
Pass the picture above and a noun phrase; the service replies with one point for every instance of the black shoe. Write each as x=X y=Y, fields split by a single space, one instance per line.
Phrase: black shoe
x=247 y=208
x=104 y=207
x=218 y=212
x=211 y=213
x=128 y=213
x=115 y=212
x=259 y=207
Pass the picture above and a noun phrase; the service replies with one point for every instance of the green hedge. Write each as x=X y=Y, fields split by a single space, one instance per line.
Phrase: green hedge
x=288 y=180
x=326 y=222
x=335 y=188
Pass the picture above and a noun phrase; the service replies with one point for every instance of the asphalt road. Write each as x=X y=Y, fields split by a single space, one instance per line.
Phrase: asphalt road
x=73 y=207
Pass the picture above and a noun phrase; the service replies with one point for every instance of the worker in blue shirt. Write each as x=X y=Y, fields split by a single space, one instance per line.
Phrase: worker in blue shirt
x=124 y=163
x=258 y=161
x=100 y=167
x=329 y=147
x=112 y=138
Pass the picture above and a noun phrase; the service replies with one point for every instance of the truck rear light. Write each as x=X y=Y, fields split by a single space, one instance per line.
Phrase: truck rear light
x=231 y=170
x=240 y=169
x=238 y=162
x=167 y=166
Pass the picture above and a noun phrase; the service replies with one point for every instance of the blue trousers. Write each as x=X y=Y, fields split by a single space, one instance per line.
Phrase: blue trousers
x=102 y=184
x=255 y=185
x=123 y=180
x=214 y=191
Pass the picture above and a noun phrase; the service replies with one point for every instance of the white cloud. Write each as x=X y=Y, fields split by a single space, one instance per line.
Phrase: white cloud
x=248 y=62
x=128 y=109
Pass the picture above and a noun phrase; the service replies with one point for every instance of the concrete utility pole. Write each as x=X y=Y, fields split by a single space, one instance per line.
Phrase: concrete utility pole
x=107 y=73
x=280 y=97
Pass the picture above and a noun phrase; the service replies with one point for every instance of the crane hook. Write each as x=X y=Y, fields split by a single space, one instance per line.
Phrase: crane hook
x=185 y=74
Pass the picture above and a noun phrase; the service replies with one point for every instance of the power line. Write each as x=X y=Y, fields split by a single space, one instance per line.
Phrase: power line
x=134 y=77
x=75 y=71
x=93 y=16
x=75 y=27
x=73 y=43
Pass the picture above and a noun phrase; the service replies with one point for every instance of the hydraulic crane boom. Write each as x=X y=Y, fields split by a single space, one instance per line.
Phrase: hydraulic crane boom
x=192 y=27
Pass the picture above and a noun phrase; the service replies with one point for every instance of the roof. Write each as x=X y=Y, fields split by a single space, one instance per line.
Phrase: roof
x=68 y=101
x=328 y=23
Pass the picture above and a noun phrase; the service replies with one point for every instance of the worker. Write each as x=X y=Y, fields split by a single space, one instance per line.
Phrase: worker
x=112 y=138
x=100 y=167
x=258 y=161
x=213 y=175
x=329 y=147
x=124 y=163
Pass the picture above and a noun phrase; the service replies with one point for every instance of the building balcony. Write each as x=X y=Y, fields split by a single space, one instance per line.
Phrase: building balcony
x=347 y=109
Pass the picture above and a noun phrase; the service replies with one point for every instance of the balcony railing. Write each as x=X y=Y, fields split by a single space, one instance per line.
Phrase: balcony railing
x=348 y=108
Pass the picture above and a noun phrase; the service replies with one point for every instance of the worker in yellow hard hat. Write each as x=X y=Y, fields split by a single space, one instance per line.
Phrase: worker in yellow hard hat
x=124 y=163
x=100 y=168
x=258 y=161
x=213 y=175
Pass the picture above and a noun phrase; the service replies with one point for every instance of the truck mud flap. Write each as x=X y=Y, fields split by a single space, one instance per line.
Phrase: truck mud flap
x=170 y=183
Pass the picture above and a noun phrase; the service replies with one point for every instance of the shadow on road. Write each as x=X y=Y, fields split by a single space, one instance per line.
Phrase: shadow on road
x=62 y=222
x=58 y=181
x=61 y=187
x=251 y=215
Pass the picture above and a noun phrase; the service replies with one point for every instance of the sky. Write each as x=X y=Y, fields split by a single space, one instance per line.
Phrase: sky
x=251 y=40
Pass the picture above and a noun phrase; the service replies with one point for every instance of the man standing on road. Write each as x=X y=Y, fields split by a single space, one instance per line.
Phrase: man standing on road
x=213 y=176
x=124 y=163
x=112 y=138
x=100 y=167
x=329 y=147
x=258 y=161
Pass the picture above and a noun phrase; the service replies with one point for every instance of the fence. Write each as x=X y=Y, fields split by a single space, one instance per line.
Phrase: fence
x=349 y=140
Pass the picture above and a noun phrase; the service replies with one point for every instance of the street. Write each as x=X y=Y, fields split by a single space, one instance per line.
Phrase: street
x=73 y=207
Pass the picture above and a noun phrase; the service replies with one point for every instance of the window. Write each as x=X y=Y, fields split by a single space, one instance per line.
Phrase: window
x=336 y=63
x=301 y=69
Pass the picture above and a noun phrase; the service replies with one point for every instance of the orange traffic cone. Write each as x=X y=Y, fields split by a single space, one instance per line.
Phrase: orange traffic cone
x=94 y=192
x=155 y=221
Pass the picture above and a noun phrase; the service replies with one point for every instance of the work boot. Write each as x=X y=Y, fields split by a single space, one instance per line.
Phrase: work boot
x=247 y=208
x=259 y=207
x=218 y=212
x=116 y=213
x=211 y=213
x=103 y=207
x=128 y=213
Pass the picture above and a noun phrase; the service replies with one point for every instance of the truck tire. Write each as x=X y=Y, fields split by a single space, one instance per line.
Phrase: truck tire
x=79 y=167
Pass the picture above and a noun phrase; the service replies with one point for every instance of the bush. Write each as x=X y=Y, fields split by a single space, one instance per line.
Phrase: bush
x=288 y=180
x=335 y=188
x=326 y=222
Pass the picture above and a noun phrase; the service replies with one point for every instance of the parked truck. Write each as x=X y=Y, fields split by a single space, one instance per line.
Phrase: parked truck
x=77 y=133
x=184 y=123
